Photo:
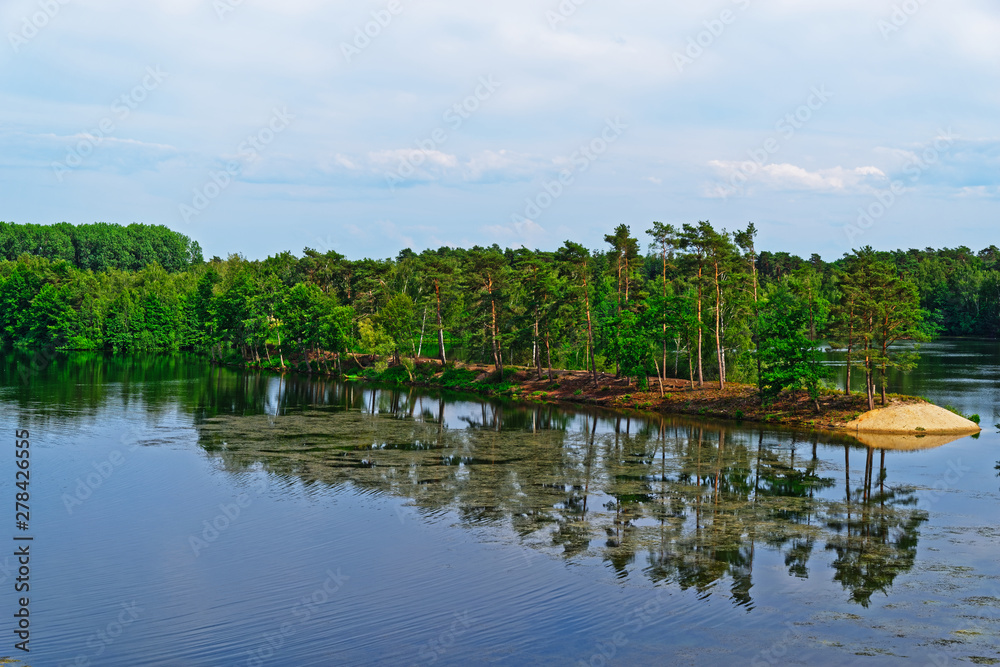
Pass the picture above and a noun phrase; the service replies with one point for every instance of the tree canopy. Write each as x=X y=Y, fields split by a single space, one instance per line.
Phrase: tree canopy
x=702 y=303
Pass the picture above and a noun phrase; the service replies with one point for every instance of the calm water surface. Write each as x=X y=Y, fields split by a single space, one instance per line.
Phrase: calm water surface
x=195 y=516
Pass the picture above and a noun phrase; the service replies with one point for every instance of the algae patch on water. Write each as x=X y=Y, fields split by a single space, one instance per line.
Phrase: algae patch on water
x=689 y=506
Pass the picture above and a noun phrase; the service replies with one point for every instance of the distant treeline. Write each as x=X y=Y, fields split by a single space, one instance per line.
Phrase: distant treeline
x=694 y=302
x=101 y=246
x=959 y=288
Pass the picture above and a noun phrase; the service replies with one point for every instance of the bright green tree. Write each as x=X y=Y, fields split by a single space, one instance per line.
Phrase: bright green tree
x=788 y=359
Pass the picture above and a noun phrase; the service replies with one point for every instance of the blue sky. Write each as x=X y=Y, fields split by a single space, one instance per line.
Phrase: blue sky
x=256 y=126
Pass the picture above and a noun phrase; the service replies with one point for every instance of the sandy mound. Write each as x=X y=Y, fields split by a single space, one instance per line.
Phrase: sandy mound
x=915 y=418
x=898 y=442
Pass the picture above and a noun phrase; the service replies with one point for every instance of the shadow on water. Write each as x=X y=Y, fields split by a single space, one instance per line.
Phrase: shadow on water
x=681 y=501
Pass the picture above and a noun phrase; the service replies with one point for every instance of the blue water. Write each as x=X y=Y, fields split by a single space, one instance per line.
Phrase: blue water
x=188 y=515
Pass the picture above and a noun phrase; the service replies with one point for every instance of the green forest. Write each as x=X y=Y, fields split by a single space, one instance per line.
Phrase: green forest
x=688 y=301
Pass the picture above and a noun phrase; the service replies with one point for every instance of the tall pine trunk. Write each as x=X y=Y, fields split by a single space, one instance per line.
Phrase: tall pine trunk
x=441 y=354
x=590 y=328
x=548 y=353
x=701 y=374
x=496 y=346
x=718 y=328
x=423 y=325
x=850 y=348
x=537 y=349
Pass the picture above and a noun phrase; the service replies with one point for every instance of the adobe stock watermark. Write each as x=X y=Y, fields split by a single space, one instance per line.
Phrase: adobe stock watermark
x=35 y=23
x=777 y=653
x=714 y=29
x=581 y=160
x=914 y=170
x=249 y=149
x=40 y=360
x=370 y=31
x=785 y=128
x=99 y=642
x=563 y=12
x=454 y=118
x=432 y=651
x=87 y=485
x=121 y=108
x=949 y=481
x=637 y=619
x=7 y=569
x=227 y=516
x=900 y=16
x=225 y=7
x=303 y=611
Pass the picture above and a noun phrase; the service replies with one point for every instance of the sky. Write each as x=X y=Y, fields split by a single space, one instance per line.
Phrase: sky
x=367 y=127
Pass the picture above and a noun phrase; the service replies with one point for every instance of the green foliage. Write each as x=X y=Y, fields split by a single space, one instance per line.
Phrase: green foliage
x=101 y=247
x=141 y=287
x=396 y=375
x=788 y=359
x=396 y=320
x=972 y=418
x=455 y=378
x=376 y=342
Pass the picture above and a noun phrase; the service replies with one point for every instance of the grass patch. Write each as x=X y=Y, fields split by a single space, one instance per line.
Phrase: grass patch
x=972 y=418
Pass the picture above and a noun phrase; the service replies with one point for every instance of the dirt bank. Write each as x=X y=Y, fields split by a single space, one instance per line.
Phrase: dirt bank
x=737 y=401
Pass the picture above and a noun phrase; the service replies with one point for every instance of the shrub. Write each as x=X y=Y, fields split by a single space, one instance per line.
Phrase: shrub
x=972 y=418
x=457 y=377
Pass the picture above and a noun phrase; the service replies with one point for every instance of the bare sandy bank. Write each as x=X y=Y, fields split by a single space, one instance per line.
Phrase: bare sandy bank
x=913 y=419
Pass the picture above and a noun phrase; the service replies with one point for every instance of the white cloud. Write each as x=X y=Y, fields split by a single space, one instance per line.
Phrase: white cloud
x=356 y=121
x=790 y=177
x=391 y=159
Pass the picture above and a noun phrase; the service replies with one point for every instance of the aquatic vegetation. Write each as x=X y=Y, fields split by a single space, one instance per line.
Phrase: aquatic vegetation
x=679 y=501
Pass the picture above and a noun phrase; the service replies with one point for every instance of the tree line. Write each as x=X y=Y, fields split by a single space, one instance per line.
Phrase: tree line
x=692 y=302
x=101 y=246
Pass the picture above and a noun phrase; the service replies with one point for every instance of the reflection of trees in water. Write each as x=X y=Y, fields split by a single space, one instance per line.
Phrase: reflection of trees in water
x=731 y=497
x=874 y=540
x=687 y=503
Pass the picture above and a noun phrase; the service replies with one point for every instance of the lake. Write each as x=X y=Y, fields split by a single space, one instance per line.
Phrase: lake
x=185 y=514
